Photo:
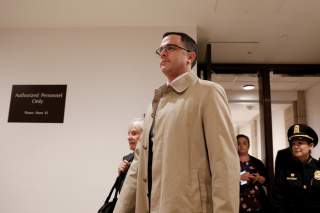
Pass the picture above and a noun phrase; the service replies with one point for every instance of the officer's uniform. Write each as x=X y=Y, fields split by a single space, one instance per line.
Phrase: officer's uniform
x=297 y=186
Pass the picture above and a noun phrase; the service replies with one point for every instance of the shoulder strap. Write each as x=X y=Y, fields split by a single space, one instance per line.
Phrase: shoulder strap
x=129 y=157
x=114 y=187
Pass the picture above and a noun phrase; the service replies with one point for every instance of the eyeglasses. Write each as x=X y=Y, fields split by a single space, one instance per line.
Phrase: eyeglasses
x=170 y=48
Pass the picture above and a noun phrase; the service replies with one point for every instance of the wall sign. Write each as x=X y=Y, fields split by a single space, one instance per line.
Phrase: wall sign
x=37 y=103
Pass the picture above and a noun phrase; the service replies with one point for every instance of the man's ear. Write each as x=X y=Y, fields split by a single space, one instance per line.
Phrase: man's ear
x=191 y=57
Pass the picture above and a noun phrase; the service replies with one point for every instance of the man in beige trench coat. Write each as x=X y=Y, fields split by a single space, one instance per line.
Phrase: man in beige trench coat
x=186 y=160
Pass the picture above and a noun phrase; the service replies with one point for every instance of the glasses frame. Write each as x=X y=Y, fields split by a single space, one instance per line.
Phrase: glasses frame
x=173 y=46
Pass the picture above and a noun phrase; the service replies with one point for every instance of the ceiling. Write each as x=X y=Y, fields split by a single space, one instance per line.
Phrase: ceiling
x=246 y=31
x=277 y=82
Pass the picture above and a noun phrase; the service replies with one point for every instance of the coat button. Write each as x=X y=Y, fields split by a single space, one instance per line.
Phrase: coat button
x=144 y=146
x=304 y=186
x=145 y=180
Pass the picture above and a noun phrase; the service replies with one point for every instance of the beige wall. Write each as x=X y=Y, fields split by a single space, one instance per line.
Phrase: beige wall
x=111 y=74
x=313 y=113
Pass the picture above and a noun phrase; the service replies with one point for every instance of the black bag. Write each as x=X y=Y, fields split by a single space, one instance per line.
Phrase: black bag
x=108 y=205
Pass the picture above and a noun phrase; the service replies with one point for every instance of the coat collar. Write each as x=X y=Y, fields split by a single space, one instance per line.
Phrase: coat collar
x=182 y=84
x=179 y=86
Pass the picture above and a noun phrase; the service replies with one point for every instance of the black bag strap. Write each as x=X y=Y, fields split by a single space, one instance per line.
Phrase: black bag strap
x=106 y=207
x=116 y=188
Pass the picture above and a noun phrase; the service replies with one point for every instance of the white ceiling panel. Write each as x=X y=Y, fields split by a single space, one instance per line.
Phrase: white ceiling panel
x=285 y=31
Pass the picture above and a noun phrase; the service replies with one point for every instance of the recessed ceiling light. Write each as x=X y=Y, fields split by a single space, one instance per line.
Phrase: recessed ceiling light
x=248 y=87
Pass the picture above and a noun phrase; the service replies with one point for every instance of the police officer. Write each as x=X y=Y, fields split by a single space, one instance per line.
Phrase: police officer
x=297 y=186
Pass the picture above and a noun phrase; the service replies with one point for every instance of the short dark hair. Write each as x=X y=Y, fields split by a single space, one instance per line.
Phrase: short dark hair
x=188 y=42
x=243 y=136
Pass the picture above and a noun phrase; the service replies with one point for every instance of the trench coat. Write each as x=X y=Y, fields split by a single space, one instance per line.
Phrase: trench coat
x=195 y=166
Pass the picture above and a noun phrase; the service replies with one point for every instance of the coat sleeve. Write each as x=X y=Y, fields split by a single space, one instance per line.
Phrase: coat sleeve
x=222 y=151
x=127 y=198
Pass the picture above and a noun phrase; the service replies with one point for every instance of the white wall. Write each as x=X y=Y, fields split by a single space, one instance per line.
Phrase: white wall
x=279 y=136
x=111 y=74
x=253 y=96
x=278 y=131
x=245 y=129
x=313 y=113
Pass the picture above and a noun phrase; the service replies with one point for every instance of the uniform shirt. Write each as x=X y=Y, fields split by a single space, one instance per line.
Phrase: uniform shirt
x=297 y=188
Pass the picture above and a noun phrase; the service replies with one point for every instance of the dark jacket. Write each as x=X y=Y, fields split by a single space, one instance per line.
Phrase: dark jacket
x=253 y=193
x=283 y=159
x=297 y=188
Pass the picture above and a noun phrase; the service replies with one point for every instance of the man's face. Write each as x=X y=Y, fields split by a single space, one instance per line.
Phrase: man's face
x=174 y=60
x=301 y=149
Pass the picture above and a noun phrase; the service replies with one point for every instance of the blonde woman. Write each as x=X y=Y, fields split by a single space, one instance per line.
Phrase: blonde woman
x=135 y=130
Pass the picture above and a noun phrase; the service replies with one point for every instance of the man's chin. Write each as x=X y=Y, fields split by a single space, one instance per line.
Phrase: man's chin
x=164 y=69
x=163 y=66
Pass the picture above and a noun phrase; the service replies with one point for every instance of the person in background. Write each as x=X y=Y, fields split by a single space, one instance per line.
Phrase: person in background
x=297 y=187
x=135 y=130
x=187 y=160
x=253 y=176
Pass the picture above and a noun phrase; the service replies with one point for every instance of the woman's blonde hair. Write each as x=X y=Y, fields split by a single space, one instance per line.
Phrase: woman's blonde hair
x=136 y=123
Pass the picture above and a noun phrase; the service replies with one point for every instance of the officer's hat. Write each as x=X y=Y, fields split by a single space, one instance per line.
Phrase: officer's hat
x=304 y=132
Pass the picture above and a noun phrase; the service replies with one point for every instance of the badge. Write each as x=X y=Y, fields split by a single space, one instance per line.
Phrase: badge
x=296 y=129
x=317 y=175
x=292 y=177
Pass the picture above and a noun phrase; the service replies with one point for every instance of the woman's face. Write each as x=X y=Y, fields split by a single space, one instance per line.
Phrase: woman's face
x=301 y=149
x=133 y=137
x=243 y=145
